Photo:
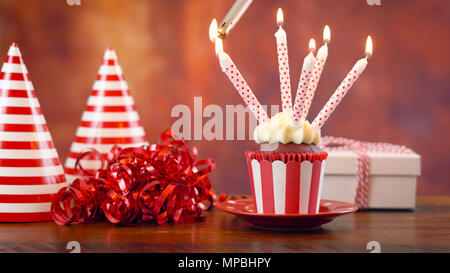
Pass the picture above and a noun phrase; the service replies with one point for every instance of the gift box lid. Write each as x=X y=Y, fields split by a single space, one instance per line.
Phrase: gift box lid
x=344 y=162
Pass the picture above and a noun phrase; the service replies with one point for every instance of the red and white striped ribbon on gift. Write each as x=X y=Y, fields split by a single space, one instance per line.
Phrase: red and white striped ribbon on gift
x=330 y=143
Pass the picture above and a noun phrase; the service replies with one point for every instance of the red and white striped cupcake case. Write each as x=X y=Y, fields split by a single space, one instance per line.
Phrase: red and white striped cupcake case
x=286 y=188
x=30 y=170
x=110 y=118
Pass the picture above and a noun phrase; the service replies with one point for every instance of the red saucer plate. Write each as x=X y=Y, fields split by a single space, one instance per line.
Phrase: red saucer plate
x=328 y=210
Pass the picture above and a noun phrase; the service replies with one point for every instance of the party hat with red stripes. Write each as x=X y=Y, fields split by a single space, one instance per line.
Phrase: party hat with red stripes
x=110 y=118
x=30 y=170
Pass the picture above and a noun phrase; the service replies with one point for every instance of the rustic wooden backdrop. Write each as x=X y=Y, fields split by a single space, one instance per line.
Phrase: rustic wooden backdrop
x=163 y=47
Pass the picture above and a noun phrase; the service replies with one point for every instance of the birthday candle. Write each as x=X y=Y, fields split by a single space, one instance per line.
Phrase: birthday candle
x=343 y=88
x=321 y=57
x=305 y=76
x=233 y=74
x=283 y=64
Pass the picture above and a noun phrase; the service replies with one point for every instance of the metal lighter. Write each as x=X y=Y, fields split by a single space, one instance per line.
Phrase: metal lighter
x=232 y=17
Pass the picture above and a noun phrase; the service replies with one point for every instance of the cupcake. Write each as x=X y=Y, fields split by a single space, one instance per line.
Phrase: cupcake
x=286 y=179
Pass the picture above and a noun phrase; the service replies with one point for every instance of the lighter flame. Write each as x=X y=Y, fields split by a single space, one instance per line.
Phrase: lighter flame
x=312 y=45
x=326 y=34
x=280 y=17
x=219 y=46
x=213 y=30
x=369 y=46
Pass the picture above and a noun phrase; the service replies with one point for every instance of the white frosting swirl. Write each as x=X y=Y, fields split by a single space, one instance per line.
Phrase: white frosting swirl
x=280 y=129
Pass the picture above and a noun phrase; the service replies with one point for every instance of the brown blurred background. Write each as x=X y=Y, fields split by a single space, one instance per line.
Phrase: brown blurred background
x=163 y=47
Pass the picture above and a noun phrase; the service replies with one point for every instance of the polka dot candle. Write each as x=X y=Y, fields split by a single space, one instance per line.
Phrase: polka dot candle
x=240 y=84
x=283 y=65
x=344 y=87
x=340 y=92
x=322 y=55
x=308 y=64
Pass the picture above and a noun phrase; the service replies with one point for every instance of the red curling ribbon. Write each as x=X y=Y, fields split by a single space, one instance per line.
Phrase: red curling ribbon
x=160 y=183
x=89 y=153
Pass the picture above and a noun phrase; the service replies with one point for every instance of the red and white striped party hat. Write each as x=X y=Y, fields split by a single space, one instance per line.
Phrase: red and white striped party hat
x=30 y=170
x=110 y=118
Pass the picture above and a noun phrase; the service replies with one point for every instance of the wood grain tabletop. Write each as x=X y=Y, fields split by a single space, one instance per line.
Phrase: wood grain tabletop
x=427 y=229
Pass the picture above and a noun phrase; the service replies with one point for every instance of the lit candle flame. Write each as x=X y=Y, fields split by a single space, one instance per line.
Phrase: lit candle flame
x=312 y=45
x=369 y=46
x=219 y=46
x=326 y=34
x=213 y=30
x=280 y=17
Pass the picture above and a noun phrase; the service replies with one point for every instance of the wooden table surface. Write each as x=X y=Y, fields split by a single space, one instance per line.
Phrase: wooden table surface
x=427 y=229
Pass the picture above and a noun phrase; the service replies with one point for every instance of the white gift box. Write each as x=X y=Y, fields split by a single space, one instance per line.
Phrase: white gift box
x=392 y=178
